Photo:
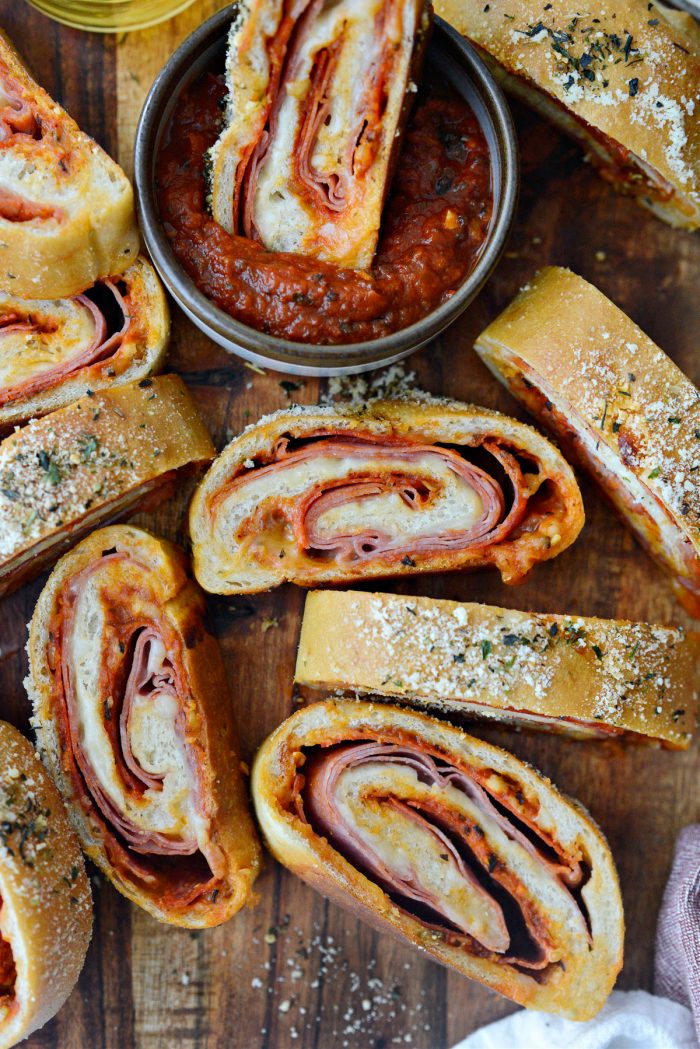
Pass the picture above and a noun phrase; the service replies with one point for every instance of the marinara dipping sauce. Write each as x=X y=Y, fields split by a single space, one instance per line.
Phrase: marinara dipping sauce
x=434 y=225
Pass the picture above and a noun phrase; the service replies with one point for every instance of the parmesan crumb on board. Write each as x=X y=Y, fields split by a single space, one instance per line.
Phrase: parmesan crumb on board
x=392 y=383
x=353 y=1006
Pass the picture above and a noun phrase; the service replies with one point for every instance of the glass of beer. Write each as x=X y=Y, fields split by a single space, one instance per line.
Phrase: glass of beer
x=110 y=16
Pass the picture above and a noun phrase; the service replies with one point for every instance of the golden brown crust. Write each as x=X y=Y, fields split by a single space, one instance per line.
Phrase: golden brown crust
x=578 y=988
x=223 y=567
x=94 y=234
x=45 y=902
x=94 y=460
x=140 y=353
x=615 y=401
x=584 y=677
x=643 y=94
x=209 y=722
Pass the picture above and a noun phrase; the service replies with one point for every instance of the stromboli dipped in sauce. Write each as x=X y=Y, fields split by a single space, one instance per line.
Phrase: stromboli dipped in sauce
x=433 y=229
x=53 y=350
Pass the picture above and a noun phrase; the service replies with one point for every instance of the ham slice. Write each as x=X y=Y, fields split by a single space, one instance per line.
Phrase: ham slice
x=43 y=342
x=17 y=114
x=8 y=973
x=360 y=797
x=16 y=208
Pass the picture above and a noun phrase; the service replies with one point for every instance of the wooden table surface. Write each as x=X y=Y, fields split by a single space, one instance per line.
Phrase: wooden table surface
x=295 y=971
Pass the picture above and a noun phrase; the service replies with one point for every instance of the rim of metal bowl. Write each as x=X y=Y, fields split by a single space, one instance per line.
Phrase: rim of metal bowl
x=460 y=61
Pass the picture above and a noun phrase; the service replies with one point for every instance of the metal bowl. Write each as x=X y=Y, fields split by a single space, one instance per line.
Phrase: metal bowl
x=456 y=61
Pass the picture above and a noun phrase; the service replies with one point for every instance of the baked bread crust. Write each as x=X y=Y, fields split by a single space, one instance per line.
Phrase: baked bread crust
x=616 y=403
x=98 y=459
x=140 y=351
x=642 y=94
x=45 y=901
x=206 y=711
x=548 y=527
x=576 y=989
x=73 y=205
x=583 y=677
x=314 y=155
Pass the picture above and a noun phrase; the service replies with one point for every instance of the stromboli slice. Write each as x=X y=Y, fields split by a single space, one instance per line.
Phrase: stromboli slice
x=316 y=100
x=66 y=208
x=621 y=78
x=451 y=843
x=52 y=351
x=45 y=904
x=616 y=403
x=583 y=677
x=101 y=458
x=133 y=717
x=319 y=495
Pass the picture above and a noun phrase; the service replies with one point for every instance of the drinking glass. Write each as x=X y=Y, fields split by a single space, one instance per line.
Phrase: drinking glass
x=110 y=16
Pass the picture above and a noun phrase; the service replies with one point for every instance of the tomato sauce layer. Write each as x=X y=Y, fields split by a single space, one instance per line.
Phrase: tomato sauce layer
x=434 y=226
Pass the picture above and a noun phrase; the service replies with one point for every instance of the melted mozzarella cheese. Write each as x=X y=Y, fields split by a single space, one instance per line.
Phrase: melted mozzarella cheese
x=411 y=852
x=455 y=505
x=63 y=329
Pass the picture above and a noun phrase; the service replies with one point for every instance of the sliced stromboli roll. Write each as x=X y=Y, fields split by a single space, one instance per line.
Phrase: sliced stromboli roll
x=66 y=208
x=326 y=495
x=53 y=350
x=450 y=843
x=582 y=677
x=621 y=78
x=616 y=403
x=100 y=459
x=45 y=904
x=133 y=717
x=317 y=96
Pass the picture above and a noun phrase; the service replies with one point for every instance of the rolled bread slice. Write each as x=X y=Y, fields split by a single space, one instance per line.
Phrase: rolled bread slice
x=329 y=495
x=98 y=460
x=317 y=97
x=615 y=403
x=135 y=723
x=66 y=208
x=582 y=677
x=449 y=843
x=53 y=350
x=45 y=901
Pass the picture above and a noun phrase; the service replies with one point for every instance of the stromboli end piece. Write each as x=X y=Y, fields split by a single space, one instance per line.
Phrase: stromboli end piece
x=135 y=723
x=621 y=78
x=66 y=208
x=320 y=495
x=52 y=351
x=98 y=459
x=616 y=403
x=582 y=677
x=451 y=844
x=45 y=904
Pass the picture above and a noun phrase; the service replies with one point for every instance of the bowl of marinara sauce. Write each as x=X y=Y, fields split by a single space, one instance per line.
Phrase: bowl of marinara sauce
x=448 y=210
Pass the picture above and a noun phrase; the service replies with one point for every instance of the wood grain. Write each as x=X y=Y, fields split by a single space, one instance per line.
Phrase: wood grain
x=296 y=971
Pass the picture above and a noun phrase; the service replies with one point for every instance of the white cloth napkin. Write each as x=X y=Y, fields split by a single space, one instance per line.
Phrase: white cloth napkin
x=628 y=1020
